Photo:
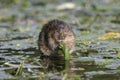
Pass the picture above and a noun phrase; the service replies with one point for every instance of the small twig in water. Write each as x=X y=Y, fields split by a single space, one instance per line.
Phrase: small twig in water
x=19 y=70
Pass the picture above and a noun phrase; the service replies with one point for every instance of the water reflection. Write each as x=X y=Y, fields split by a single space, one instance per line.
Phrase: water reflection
x=57 y=65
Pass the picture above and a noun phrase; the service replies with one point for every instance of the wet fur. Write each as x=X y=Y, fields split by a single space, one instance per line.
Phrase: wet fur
x=52 y=34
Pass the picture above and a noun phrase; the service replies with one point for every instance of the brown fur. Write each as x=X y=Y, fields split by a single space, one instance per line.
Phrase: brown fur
x=52 y=34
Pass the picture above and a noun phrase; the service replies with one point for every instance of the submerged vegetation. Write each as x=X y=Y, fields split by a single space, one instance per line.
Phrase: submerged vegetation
x=96 y=24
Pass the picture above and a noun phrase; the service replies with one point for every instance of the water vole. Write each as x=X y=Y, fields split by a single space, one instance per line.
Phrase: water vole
x=52 y=35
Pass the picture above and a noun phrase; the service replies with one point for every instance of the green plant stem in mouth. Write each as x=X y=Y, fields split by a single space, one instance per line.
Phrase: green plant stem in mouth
x=64 y=51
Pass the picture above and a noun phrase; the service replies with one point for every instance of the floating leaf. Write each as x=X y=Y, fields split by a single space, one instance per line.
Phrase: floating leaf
x=17 y=44
x=119 y=55
x=65 y=6
x=110 y=35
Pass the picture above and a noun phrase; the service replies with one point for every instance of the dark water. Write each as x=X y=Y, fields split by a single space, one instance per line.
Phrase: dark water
x=95 y=23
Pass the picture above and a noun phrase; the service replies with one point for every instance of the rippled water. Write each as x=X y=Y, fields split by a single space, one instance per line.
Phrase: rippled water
x=93 y=58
